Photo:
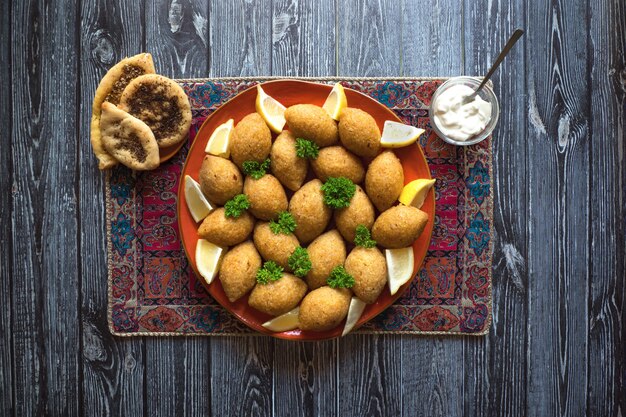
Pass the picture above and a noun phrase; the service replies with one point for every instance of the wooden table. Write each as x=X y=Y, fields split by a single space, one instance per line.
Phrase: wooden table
x=557 y=344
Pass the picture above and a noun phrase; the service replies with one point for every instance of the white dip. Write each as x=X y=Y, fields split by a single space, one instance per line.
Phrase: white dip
x=461 y=121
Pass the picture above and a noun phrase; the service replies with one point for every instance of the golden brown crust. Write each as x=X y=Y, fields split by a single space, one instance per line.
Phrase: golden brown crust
x=266 y=195
x=360 y=211
x=324 y=308
x=220 y=179
x=359 y=132
x=238 y=270
x=399 y=226
x=311 y=122
x=162 y=104
x=384 y=180
x=274 y=247
x=286 y=166
x=368 y=266
x=128 y=139
x=226 y=231
x=118 y=77
x=337 y=161
x=308 y=209
x=251 y=140
x=326 y=252
x=278 y=297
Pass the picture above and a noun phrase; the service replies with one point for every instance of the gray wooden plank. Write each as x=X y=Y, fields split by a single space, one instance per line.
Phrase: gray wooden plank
x=241 y=376
x=495 y=369
x=177 y=34
x=432 y=367
x=240 y=38
x=6 y=203
x=177 y=377
x=558 y=208
x=607 y=356
x=44 y=226
x=369 y=43
x=113 y=368
x=368 y=38
x=241 y=369
x=303 y=38
x=303 y=44
x=177 y=369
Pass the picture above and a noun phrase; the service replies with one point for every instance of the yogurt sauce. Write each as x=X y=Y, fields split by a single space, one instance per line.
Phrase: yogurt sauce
x=461 y=121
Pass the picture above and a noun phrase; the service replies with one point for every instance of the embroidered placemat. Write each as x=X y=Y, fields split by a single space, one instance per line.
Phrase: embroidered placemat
x=153 y=291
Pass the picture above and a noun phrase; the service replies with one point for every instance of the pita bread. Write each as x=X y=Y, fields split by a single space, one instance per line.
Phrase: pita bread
x=110 y=89
x=162 y=104
x=128 y=139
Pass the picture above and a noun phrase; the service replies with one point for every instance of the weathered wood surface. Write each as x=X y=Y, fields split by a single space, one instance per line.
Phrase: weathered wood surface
x=557 y=344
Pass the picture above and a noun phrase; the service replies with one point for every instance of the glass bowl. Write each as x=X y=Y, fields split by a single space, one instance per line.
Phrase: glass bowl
x=486 y=94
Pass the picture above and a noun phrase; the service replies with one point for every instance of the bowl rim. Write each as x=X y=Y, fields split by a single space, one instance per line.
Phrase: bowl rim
x=485 y=93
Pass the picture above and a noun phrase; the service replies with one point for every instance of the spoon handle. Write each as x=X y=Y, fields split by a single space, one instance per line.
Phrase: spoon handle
x=514 y=38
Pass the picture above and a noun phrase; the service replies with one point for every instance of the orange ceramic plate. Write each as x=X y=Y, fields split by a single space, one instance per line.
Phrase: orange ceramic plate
x=166 y=154
x=290 y=92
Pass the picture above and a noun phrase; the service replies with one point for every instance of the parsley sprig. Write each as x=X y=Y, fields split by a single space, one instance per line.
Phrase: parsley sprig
x=285 y=224
x=338 y=192
x=306 y=148
x=339 y=278
x=363 y=238
x=256 y=169
x=270 y=271
x=299 y=262
x=236 y=206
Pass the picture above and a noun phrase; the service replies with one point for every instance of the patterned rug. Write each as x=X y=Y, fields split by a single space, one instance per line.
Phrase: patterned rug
x=153 y=291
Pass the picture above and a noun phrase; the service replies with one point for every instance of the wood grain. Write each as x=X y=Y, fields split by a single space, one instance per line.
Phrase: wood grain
x=607 y=66
x=177 y=36
x=496 y=373
x=241 y=374
x=177 y=370
x=432 y=367
x=46 y=343
x=368 y=34
x=558 y=209
x=177 y=377
x=240 y=38
x=303 y=38
x=112 y=368
x=6 y=203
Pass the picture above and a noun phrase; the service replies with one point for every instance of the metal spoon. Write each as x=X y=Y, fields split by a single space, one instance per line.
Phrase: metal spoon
x=509 y=45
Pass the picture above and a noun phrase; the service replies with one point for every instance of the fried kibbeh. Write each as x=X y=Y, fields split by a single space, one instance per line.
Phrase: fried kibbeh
x=220 y=179
x=337 y=161
x=359 y=132
x=384 y=180
x=278 y=297
x=238 y=270
x=325 y=252
x=251 y=140
x=266 y=195
x=369 y=269
x=324 y=308
x=308 y=209
x=286 y=166
x=274 y=247
x=226 y=231
x=311 y=122
x=399 y=226
x=360 y=211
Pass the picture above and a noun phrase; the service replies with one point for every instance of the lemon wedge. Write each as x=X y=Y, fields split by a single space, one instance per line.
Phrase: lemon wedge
x=335 y=102
x=208 y=259
x=414 y=193
x=219 y=142
x=271 y=110
x=285 y=322
x=397 y=135
x=354 y=314
x=198 y=205
x=400 y=264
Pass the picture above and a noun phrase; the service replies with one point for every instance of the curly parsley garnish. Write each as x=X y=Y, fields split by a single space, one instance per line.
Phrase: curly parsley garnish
x=285 y=224
x=236 y=206
x=306 y=149
x=363 y=238
x=338 y=192
x=299 y=262
x=339 y=278
x=270 y=271
x=256 y=169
